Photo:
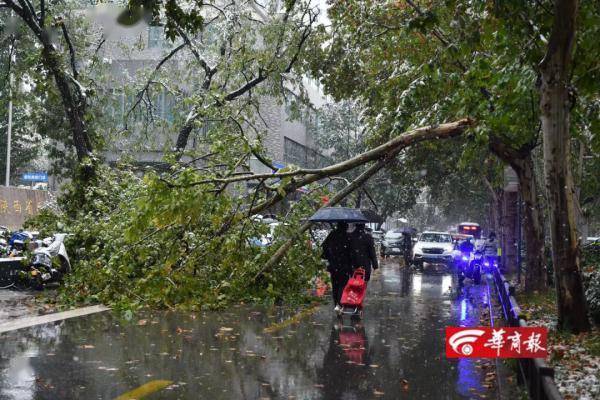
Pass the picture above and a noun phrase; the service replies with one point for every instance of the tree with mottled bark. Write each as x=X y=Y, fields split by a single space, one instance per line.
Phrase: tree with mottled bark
x=555 y=105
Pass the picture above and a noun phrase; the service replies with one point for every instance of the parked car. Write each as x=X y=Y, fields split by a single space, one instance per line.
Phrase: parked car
x=433 y=248
x=392 y=243
x=378 y=236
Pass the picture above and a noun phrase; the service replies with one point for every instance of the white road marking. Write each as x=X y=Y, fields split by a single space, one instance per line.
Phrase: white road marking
x=27 y=322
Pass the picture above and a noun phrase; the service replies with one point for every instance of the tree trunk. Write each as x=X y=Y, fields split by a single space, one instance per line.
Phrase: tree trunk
x=521 y=161
x=533 y=226
x=555 y=118
x=74 y=105
x=72 y=94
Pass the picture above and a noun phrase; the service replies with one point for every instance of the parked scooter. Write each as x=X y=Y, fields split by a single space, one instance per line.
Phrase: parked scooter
x=50 y=262
x=18 y=242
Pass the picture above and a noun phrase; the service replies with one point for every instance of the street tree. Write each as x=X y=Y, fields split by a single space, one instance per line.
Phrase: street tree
x=555 y=104
x=410 y=63
x=15 y=85
x=50 y=30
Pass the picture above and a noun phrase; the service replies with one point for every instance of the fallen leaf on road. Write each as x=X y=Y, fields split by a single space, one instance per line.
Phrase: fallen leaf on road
x=378 y=392
x=142 y=322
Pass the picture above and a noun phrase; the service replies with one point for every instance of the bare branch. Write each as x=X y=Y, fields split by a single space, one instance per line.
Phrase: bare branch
x=65 y=33
x=144 y=90
x=207 y=69
x=42 y=13
x=100 y=44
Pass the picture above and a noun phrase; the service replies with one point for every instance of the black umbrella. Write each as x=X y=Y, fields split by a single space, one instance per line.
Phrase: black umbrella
x=338 y=214
x=371 y=215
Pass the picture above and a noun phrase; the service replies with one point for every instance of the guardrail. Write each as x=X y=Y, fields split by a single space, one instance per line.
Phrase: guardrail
x=534 y=372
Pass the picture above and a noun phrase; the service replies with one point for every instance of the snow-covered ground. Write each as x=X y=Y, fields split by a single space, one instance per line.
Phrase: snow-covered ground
x=577 y=370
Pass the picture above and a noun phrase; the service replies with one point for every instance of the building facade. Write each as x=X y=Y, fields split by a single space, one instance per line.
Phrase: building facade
x=134 y=50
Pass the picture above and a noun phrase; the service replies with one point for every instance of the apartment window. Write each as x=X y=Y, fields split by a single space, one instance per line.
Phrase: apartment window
x=164 y=106
x=302 y=156
x=156 y=37
x=294 y=152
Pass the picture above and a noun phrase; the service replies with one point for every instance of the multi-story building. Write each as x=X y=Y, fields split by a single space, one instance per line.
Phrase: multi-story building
x=133 y=49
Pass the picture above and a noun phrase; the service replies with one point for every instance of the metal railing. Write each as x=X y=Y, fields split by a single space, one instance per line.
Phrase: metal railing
x=534 y=372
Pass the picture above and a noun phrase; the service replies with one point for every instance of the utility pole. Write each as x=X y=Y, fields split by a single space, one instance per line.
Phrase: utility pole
x=10 y=107
x=9 y=131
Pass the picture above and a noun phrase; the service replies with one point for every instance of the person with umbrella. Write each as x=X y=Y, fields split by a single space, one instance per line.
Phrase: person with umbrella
x=363 y=251
x=336 y=247
x=336 y=250
x=407 y=245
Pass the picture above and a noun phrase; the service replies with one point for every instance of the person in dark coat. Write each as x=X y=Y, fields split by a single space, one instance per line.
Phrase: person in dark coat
x=407 y=248
x=363 y=252
x=336 y=250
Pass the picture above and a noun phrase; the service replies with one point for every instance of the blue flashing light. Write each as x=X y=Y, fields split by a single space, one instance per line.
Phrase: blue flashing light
x=463 y=309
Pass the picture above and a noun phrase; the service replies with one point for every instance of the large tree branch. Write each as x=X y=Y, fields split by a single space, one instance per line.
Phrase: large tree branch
x=26 y=16
x=384 y=154
x=506 y=152
x=65 y=33
x=386 y=150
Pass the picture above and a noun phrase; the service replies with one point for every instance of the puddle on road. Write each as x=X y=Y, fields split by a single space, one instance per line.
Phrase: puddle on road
x=396 y=352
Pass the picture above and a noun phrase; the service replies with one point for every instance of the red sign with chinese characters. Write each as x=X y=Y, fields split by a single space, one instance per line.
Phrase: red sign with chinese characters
x=501 y=342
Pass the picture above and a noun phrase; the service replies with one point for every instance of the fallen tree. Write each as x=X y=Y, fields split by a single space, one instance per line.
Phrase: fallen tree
x=182 y=239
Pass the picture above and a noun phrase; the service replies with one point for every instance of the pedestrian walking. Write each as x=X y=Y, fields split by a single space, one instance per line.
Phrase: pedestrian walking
x=407 y=248
x=336 y=250
x=363 y=251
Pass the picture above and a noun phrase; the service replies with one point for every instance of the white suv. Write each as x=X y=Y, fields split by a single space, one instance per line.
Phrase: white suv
x=434 y=248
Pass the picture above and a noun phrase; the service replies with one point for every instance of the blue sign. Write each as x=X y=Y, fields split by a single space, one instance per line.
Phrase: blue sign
x=278 y=165
x=35 y=177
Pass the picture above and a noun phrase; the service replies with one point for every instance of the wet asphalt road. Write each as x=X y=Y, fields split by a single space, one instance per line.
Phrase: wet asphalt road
x=395 y=352
x=15 y=304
